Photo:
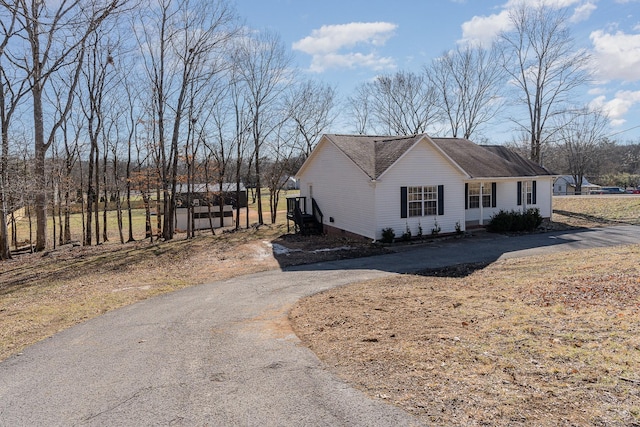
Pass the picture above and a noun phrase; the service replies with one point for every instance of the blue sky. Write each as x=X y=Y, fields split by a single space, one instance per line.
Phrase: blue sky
x=346 y=42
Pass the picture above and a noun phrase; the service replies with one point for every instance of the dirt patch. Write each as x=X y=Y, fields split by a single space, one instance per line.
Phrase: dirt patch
x=542 y=341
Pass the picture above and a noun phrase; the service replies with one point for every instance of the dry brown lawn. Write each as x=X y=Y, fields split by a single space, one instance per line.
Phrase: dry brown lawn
x=542 y=341
x=538 y=341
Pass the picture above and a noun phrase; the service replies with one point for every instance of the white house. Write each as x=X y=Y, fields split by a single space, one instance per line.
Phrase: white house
x=364 y=184
x=566 y=185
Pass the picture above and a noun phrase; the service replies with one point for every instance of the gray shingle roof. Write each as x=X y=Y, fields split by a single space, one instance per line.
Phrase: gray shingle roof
x=375 y=154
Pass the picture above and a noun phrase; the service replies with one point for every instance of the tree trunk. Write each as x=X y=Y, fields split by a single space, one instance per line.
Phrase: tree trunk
x=258 y=189
x=105 y=194
x=96 y=183
x=39 y=169
x=5 y=252
x=88 y=234
x=129 y=214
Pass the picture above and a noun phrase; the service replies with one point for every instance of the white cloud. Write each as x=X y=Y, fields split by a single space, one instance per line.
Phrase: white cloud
x=583 y=12
x=616 y=56
x=333 y=46
x=617 y=107
x=484 y=29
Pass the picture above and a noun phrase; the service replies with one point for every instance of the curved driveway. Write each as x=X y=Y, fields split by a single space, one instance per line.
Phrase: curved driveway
x=223 y=354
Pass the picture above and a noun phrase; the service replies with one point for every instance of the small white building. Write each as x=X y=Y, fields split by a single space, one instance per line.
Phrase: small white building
x=364 y=184
x=566 y=185
x=204 y=217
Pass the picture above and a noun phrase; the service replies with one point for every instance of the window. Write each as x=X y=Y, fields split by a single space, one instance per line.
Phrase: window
x=423 y=201
x=474 y=195
x=528 y=192
x=486 y=200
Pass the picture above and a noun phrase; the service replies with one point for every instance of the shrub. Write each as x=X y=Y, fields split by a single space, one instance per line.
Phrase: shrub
x=515 y=221
x=436 y=228
x=458 y=228
x=388 y=235
x=406 y=236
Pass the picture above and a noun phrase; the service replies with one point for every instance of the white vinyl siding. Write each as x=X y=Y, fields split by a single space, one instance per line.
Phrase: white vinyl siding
x=506 y=198
x=423 y=165
x=343 y=192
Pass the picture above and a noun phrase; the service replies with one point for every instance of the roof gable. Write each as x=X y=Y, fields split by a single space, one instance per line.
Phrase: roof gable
x=373 y=154
x=376 y=154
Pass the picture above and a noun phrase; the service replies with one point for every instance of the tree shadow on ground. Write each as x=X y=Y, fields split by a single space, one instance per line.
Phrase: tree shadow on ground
x=595 y=219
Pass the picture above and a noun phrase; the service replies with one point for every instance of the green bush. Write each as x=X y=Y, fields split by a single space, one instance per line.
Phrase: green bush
x=388 y=235
x=515 y=221
x=406 y=236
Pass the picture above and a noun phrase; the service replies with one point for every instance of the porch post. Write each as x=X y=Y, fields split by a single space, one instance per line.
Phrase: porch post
x=481 y=221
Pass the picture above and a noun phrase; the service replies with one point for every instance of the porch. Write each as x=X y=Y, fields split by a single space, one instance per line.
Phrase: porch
x=304 y=222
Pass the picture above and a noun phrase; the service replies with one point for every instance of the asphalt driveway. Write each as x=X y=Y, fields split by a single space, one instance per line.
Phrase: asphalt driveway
x=222 y=354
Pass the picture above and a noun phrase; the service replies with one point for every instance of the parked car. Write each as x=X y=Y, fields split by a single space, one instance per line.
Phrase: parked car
x=610 y=190
x=633 y=190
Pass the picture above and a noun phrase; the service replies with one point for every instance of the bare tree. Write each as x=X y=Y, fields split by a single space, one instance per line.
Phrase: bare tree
x=11 y=93
x=98 y=79
x=581 y=135
x=181 y=43
x=241 y=127
x=310 y=105
x=55 y=35
x=404 y=103
x=281 y=163
x=262 y=64
x=468 y=83
x=544 y=66
x=359 y=107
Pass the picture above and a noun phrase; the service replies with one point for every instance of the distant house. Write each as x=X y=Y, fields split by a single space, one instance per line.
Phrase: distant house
x=205 y=201
x=203 y=194
x=566 y=185
x=361 y=185
x=291 y=183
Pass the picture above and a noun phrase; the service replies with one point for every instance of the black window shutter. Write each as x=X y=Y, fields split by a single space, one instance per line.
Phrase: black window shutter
x=403 y=202
x=533 y=193
x=494 y=203
x=519 y=193
x=440 y=199
x=466 y=195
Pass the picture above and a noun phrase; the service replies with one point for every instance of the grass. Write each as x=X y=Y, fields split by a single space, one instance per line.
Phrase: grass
x=546 y=341
x=540 y=341
x=138 y=220
x=536 y=341
x=597 y=210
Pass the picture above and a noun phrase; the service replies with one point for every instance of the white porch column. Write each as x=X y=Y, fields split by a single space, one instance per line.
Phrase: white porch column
x=481 y=221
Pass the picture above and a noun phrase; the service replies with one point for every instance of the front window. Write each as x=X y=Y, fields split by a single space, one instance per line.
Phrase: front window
x=474 y=195
x=486 y=200
x=423 y=201
x=475 y=188
x=527 y=188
